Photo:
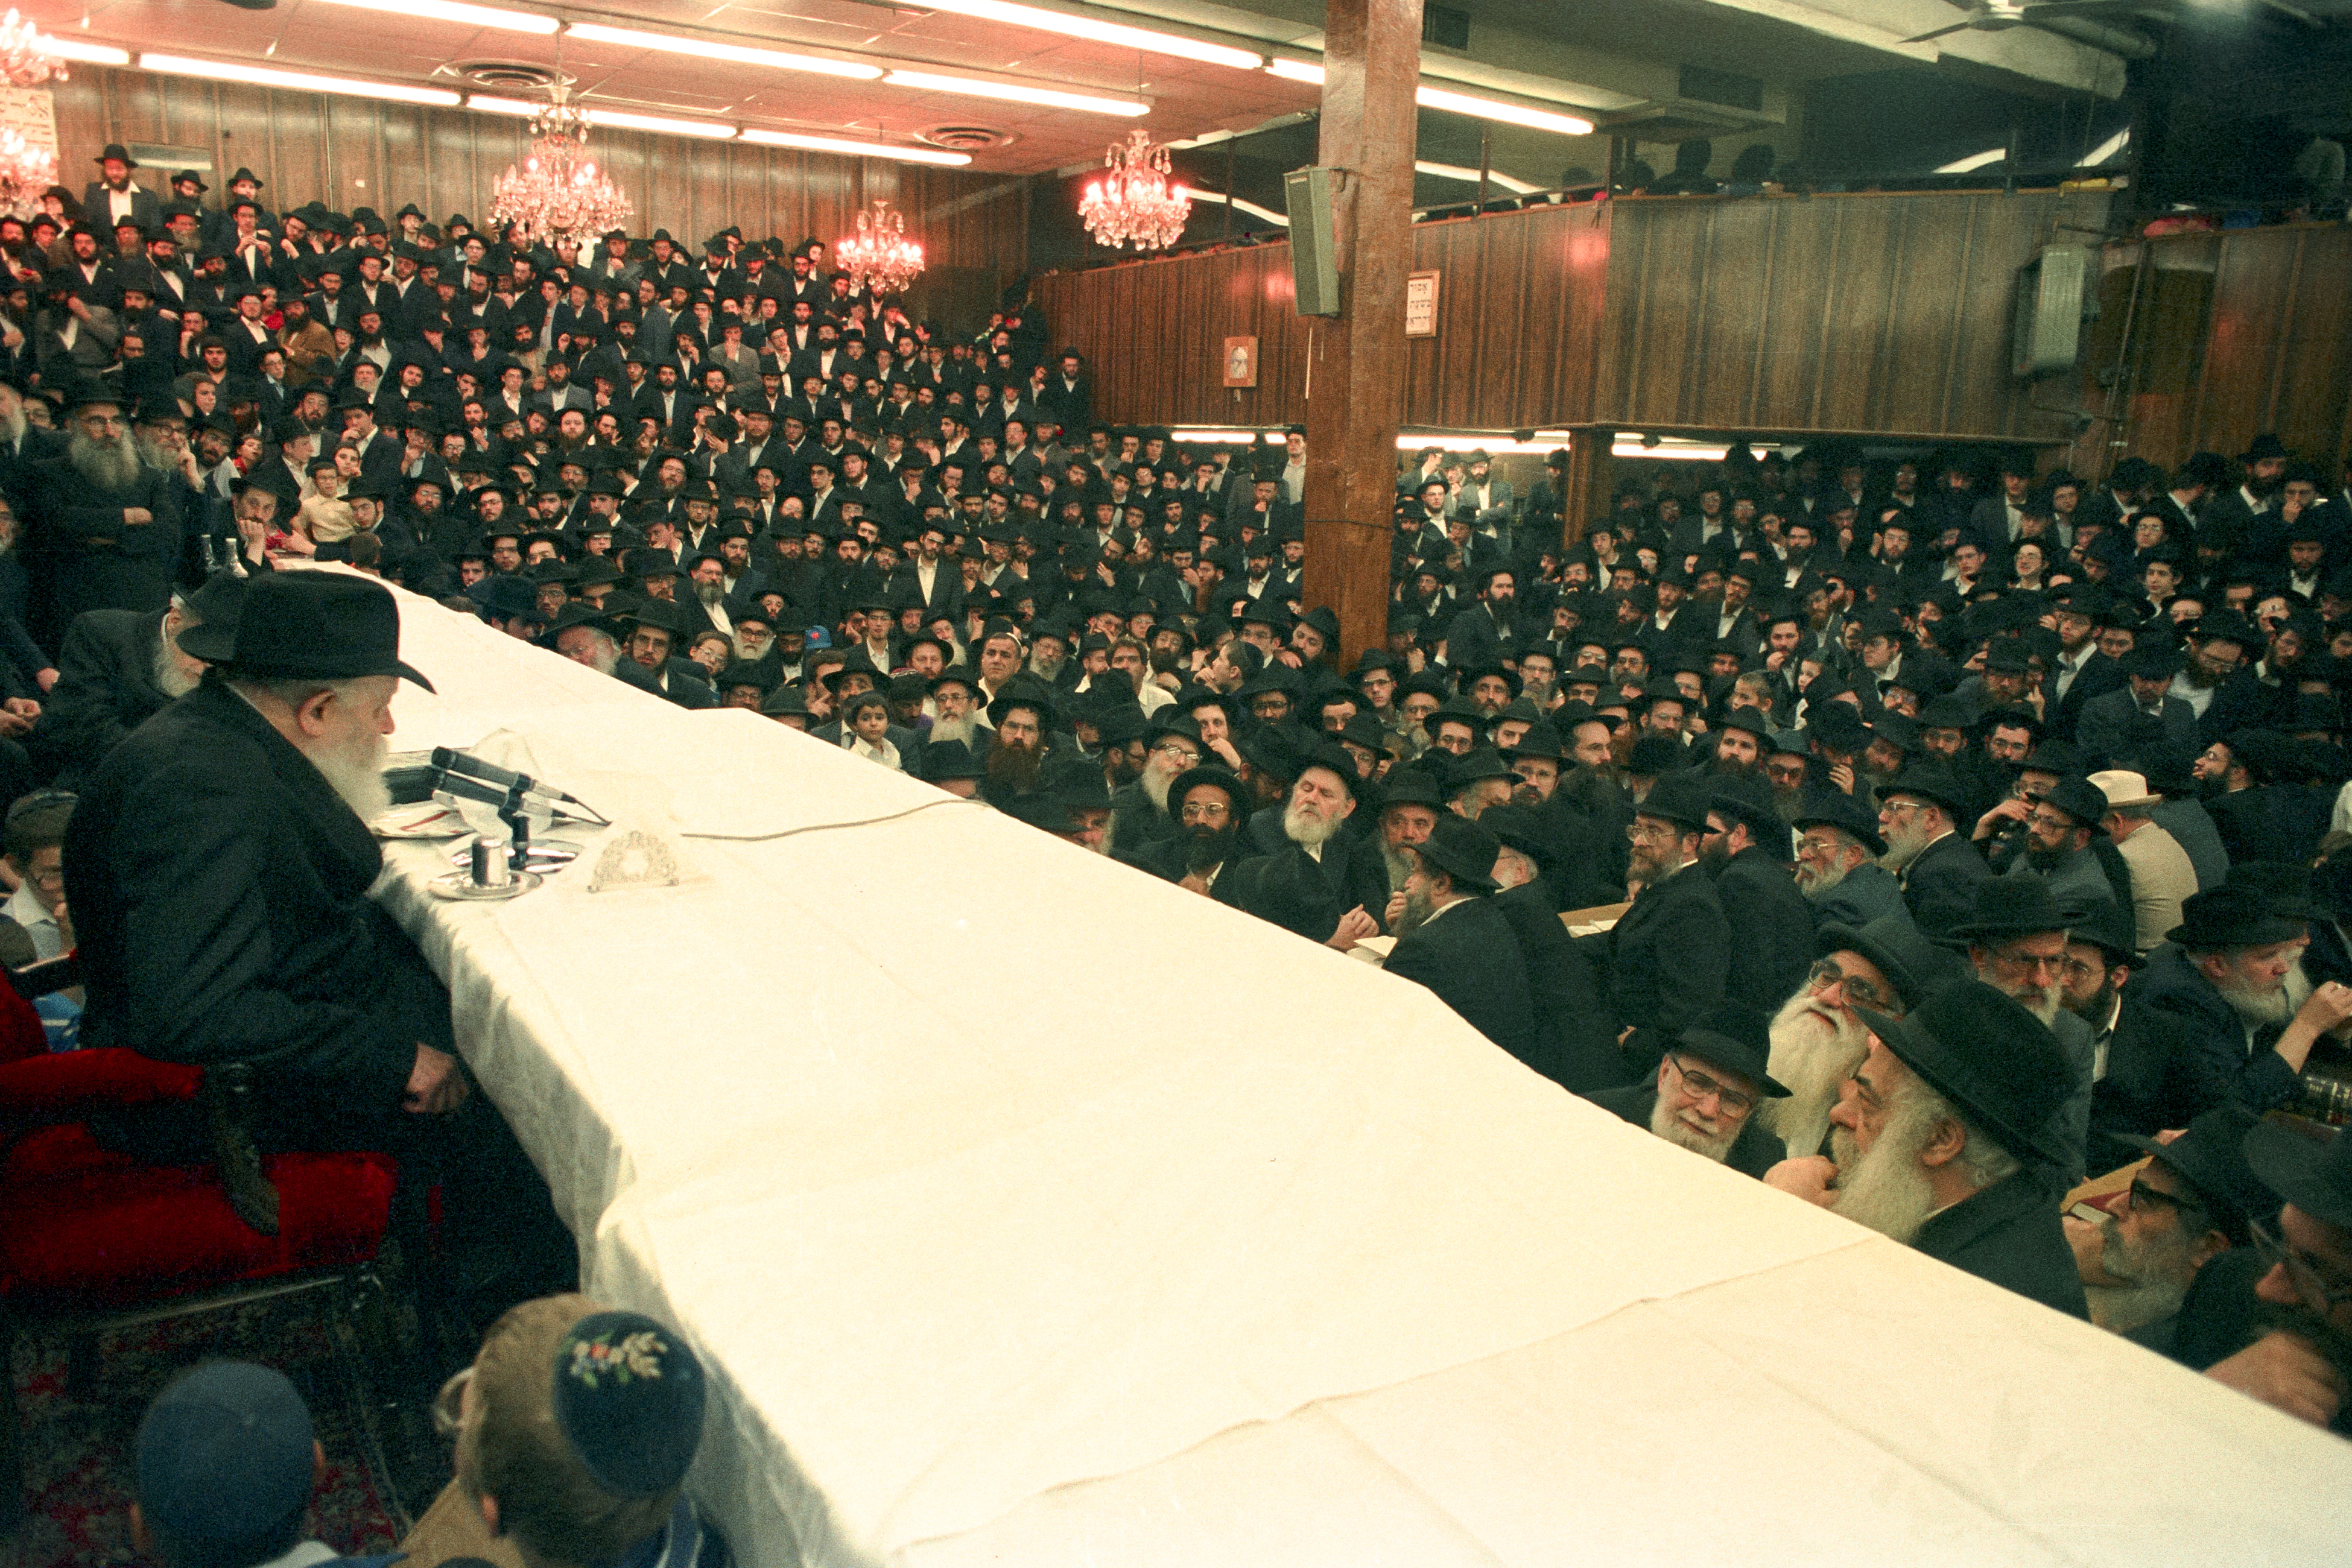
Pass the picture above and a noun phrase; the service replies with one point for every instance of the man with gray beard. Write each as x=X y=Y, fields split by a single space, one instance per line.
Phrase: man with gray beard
x=1939 y=1135
x=1936 y=868
x=2223 y=973
x=118 y=669
x=1838 y=872
x=219 y=863
x=2017 y=944
x=1303 y=887
x=1138 y=809
x=1708 y=1086
x=104 y=529
x=2185 y=1207
x=1818 y=1036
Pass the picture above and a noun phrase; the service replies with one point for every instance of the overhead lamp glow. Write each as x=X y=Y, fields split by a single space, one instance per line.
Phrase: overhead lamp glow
x=855 y=149
x=1077 y=26
x=1296 y=70
x=1970 y=165
x=2108 y=149
x=1503 y=113
x=1049 y=97
x=297 y=81
x=1454 y=442
x=483 y=103
x=1240 y=205
x=1627 y=444
x=457 y=10
x=708 y=49
x=1501 y=181
x=620 y=119
x=89 y=54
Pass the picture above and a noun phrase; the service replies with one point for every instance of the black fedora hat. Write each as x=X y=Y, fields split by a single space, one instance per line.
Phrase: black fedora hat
x=2210 y=1156
x=1410 y=787
x=1463 y=850
x=2001 y=1070
x=1216 y=775
x=1682 y=798
x=1932 y=784
x=2230 y=915
x=2016 y=905
x=1738 y=1038
x=2081 y=800
x=1836 y=808
x=1541 y=742
x=1330 y=756
x=307 y=625
x=2106 y=925
x=1912 y=965
x=2313 y=1173
x=1027 y=691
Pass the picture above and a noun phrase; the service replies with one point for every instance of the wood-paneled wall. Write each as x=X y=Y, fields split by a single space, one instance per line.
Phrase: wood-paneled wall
x=1877 y=313
x=2232 y=335
x=351 y=152
x=1518 y=303
x=1778 y=315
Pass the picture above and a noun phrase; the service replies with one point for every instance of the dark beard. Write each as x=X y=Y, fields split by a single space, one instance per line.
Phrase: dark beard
x=1205 y=848
x=1016 y=767
x=2044 y=861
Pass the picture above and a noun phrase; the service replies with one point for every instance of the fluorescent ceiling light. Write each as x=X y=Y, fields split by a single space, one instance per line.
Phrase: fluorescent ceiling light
x=1504 y=113
x=456 y=11
x=1225 y=437
x=2108 y=149
x=94 y=54
x=297 y=81
x=856 y=149
x=1454 y=442
x=1458 y=102
x=1077 y=26
x=483 y=103
x=1970 y=165
x=1239 y=206
x=1049 y=97
x=704 y=48
x=619 y=119
x=1470 y=177
x=1629 y=445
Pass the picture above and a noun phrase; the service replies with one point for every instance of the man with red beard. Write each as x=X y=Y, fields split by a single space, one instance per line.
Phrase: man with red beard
x=1022 y=718
x=1818 y=1036
x=1709 y=1084
x=1940 y=1135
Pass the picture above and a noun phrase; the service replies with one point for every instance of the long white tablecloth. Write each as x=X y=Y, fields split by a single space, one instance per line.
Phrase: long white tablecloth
x=1030 y=1210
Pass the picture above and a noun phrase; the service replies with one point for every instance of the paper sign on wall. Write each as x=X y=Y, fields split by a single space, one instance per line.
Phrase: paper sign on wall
x=1420 y=305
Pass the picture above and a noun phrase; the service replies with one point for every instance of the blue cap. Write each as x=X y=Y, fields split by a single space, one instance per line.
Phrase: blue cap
x=225 y=1455
x=628 y=1397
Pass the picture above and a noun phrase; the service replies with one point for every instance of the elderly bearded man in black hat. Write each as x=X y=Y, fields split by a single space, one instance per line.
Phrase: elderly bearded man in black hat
x=1938 y=868
x=1709 y=1086
x=1669 y=956
x=220 y=863
x=1940 y=1132
x=1451 y=939
x=2017 y=944
x=1304 y=886
x=2223 y=974
x=105 y=526
x=2303 y=1361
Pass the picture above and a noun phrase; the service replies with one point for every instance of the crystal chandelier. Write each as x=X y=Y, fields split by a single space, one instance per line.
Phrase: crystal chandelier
x=1134 y=204
x=879 y=258
x=25 y=58
x=26 y=170
x=556 y=191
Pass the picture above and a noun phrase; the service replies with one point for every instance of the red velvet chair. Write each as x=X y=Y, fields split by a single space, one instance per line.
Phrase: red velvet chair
x=91 y=1240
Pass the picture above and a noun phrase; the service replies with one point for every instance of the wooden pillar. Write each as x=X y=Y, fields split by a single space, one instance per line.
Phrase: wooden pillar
x=1585 y=498
x=1355 y=396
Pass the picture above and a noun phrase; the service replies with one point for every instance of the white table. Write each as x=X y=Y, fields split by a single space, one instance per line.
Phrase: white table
x=1031 y=1210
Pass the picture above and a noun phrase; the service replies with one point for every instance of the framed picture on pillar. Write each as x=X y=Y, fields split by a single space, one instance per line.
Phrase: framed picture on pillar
x=1241 y=361
x=1421 y=304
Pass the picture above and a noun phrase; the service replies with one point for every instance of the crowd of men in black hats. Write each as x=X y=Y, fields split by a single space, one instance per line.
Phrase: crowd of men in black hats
x=1982 y=829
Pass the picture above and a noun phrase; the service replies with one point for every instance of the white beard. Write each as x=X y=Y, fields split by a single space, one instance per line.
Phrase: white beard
x=1676 y=1131
x=112 y=465
x=1816 y=884
x=1155 y=778
x=2043 y=1002
x=2259 y=1008
x=1308 y=833
x=170 y=679
x=1814 y=1051
x=356 y=772
x=1887 y=1190
x=2156 y=1272
x=1904 y=845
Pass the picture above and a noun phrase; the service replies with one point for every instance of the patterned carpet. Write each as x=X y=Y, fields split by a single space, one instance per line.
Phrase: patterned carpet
x=78 y=1451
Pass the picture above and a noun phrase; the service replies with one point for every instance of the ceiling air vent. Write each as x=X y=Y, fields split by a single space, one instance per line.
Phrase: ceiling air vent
x=965 y=138
x=510 y=76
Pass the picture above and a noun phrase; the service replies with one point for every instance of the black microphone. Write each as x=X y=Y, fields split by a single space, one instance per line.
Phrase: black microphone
x=466 y=788
x=450 y=761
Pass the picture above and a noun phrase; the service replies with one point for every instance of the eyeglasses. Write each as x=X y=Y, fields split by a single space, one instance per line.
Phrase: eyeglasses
x=2145 y=1199
x=1825 y=976
x=1658 y=833
x=2301 y=1272
x=1700 y=1085
x=2019 y=962
x=1204 y=811
x=1174 y=749
x=449 y=1402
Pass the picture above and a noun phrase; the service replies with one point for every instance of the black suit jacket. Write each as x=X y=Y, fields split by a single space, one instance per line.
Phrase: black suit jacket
x=1669 y=964
x=1940 y=887
x=1469 y=957
x=220 y=900
x=1771 y=929
x=2153 y=1083
x=1572 y=1045
x=1753 y=1152
x=105 y=689
x=2220 y=1065
x=2009 y=1234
